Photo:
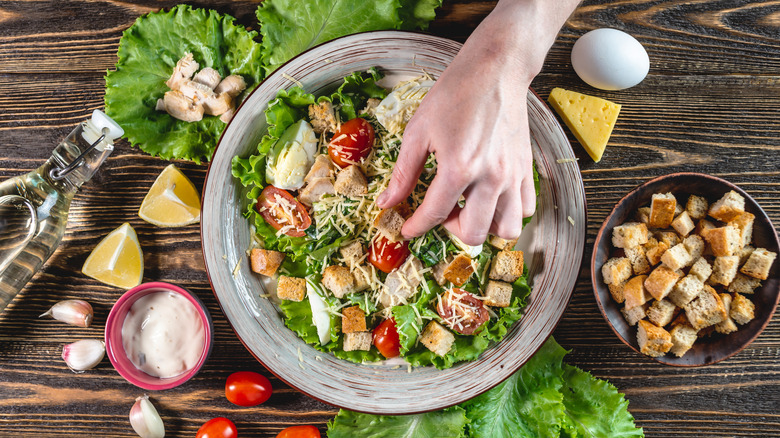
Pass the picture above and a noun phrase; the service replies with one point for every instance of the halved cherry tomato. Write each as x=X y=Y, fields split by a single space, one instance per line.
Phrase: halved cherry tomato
x=281 y=210
x=386 y=339
x=462 y=311
x=387 y=255
x=219 y=427
x=247 y=388
x=299 y=432
x=351 y=143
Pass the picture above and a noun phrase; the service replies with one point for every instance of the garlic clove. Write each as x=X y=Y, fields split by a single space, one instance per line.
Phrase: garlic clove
x=73 y=312
x=145 y=420
x=84 y=354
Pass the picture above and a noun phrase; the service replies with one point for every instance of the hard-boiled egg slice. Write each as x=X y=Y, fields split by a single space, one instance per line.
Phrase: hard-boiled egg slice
x=319 y=312
x=292 y=156
x=395 y=110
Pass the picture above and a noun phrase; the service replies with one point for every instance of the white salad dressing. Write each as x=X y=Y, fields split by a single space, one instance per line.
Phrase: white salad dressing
x=163 y=334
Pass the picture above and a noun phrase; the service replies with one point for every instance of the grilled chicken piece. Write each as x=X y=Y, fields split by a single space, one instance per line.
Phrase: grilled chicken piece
x=233 y=85
x=185 y=68
x=315 y=189
x=208 y=77
x=181 y=107
x=322 y=168
x=217 y=104
x=401 y=284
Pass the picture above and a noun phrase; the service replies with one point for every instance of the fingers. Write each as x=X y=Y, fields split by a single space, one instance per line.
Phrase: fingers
x=508 y=220
x=528 y=194
x=472 y=222
x=410 y=163
x=440 y=199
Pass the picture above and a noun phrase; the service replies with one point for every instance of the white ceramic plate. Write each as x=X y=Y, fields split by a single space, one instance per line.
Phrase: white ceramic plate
x=553 y=244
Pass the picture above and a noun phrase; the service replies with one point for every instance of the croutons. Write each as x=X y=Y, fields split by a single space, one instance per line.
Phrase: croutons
x=498 y=294
x=351 y=182
x=724 y=270
x=460 y=269
x=742 y=310
x=759 y=263
x=686 y=290
x=683 y=224
x=655 y=252
x=702 y=269
x=662 y=208
x=322 y=116
x=743 y=284
x=676 y=257
x=661 y=281
x=617 y=270
x=390 y=221
x=744 y=223
x=265 y=262
x=724 y=241
x=338 y=280
x=352 y=252
x=635 y=314
x=670 y=238
x=437 y=338
x=629 y=235
x=635 y=293
x=695 y=246
x=362 y=278
x=508 y=266
x=617 y=291
x=653 y=341
x=357 y=341
x=727 y=325
x=291 y=288
x=706 y=310
x=500 y=243
x=696 y=207
x=643 y=215
x=353 y=319
x=682 y=336
x=639 y=263
x=661 y=312
x=731 y=205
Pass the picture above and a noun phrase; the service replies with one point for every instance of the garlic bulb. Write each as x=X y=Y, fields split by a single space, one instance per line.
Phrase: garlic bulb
x=145 y=420
x=73 y=312
x=84 y=354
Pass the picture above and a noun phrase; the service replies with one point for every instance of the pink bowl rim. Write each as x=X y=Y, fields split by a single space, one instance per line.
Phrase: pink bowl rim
x=113 y=335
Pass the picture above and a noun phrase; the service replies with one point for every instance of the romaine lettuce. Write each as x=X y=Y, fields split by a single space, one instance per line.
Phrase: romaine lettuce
x=448 y=423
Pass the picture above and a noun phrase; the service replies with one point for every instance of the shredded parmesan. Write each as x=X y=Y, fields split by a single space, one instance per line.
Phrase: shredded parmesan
x=293 y=80
x=567 y=160
x=570 y=220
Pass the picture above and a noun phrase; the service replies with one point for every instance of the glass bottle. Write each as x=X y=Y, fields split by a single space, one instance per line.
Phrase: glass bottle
x=34 y=207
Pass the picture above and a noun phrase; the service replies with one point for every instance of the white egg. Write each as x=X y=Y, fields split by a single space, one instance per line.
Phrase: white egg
x=609 y=59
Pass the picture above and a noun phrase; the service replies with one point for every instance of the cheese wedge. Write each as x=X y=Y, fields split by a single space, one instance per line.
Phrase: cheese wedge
x=590 y=119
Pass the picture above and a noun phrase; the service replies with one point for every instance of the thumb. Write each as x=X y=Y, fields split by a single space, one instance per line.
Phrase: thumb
x=407 y=170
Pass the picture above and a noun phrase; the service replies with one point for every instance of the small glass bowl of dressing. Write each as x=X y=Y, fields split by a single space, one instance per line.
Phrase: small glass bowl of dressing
x=158 y=335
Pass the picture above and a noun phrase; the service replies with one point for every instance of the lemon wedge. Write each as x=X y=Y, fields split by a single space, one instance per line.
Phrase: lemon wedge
x=172 y=201
x=117 y=260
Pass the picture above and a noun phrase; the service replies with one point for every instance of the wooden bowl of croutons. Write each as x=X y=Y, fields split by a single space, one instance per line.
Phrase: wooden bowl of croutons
x=685 y=269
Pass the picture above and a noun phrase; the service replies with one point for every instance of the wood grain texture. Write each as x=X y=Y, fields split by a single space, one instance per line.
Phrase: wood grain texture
x=709 y=105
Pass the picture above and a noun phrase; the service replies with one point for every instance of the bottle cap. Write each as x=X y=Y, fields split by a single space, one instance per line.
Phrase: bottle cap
x=94 y=129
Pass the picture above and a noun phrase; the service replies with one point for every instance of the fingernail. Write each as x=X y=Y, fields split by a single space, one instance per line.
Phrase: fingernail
x=380 y=200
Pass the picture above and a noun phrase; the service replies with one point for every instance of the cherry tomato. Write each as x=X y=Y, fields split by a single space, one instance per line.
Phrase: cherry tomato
x=282 y=211
x=300 y=432
x=247 y=388
x=386 y=339
x=387 y=255
x=462 y=311
x=351 y=143
x=219 y=427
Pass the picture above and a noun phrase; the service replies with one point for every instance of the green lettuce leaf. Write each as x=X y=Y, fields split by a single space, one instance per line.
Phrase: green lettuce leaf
x=148 y=52
x=291 y=27
x=594 y=407
x=528 y=404
x=448 y=423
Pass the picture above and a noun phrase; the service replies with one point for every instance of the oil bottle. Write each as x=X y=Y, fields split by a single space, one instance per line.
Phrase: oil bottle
x=34 y=207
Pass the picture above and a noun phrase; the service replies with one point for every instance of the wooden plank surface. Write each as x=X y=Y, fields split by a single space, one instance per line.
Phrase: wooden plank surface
x=710 y=104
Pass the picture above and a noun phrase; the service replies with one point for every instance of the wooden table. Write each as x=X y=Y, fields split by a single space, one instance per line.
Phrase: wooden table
x=710 y=104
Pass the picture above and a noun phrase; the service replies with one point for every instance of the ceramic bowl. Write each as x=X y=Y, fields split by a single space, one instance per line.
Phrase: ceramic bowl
x=116 y=351
x=553 y=242
x=716 y=347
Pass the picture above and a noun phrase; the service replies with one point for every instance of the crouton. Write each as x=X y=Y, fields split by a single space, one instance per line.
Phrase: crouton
x=744 y=223
x=727 y=325
x=724 y=269
x=676 y=257
x=351 y=182
x=322 y=117
x=617 y=270
x=643 y=215
x=670 y=238
x=338 y=280
x=508 y=266
x=352 y=252
x=498 y=294
x=353 y=319
x=662 y=208
x=635 y=314
x=639 y=263
x=315 y=190
x=686 y=290
x=653 y=340
x=635 y=293
x=743 y=284
x=661 y=281
x=617 y=292
x=759 y=263
x=437 y=338
x=265 y=262
x=695 y=246
x=683 y=224
x=500 y=243
x=742 y=310
x=362 y=278
x=701 y=268
x=629 y=235
x=358 y=341
x=390 y=221
x=744 y=254
x=291 y=288
x=724 y=241
x=706 y=309
x=661 y=312
x=460 y=269
x=703 y=226
x=731 y=205
x=655 y=253
x=697 y=207
x=683 y=336
x=323 y=167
